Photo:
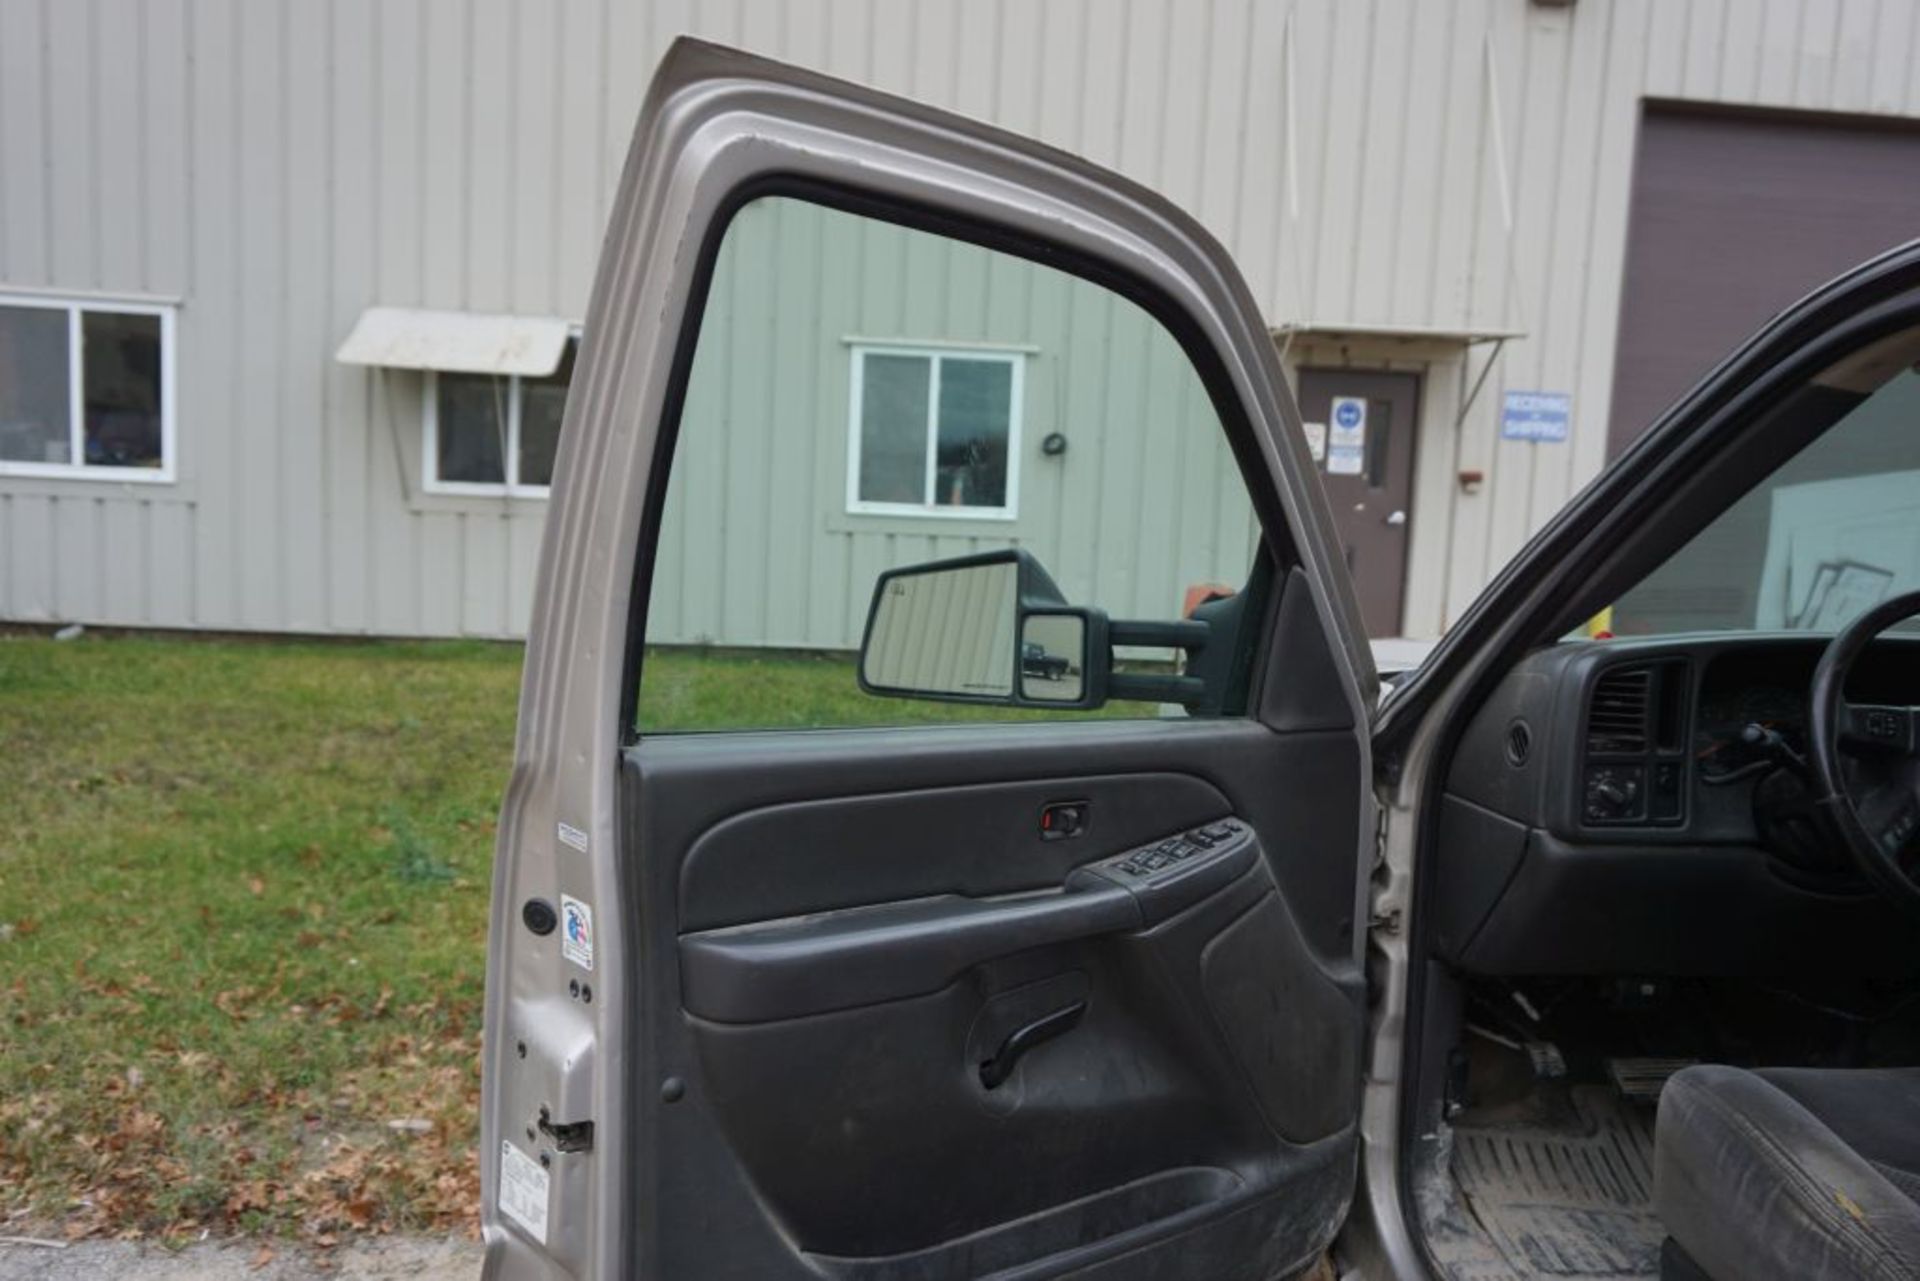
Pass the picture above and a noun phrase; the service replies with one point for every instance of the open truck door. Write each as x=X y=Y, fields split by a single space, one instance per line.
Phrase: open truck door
x=1045 y=990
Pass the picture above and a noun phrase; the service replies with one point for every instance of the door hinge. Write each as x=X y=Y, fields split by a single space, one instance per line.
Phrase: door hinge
x=567 y=1136
x=1387 y=922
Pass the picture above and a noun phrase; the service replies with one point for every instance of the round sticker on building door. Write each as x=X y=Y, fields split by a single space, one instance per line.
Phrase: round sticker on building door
x=1349 y=421
x=576 y=932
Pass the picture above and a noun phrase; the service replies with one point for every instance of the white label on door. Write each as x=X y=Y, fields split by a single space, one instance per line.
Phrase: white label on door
x=1349 y=415
x=1316 y=441
x=523 y=1191
x=1345 y=460
x=576 y=931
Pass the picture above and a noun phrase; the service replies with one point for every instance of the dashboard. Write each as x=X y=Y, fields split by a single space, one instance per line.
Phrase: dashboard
x=1641 y=805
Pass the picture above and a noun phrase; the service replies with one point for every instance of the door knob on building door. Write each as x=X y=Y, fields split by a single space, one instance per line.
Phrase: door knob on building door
x=1396 y=518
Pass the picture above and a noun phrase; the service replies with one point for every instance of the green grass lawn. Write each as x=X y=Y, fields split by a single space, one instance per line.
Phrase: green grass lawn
x=244 y=888
x=243 y=906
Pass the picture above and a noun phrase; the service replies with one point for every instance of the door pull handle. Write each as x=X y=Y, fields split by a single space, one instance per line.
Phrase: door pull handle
x=995 y=1071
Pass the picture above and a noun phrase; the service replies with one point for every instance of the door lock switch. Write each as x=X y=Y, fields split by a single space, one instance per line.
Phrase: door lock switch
x=1173 y=852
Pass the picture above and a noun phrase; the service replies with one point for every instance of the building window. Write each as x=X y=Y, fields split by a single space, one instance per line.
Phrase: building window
x=86 y=389
x=934 y=432
x=495 y=433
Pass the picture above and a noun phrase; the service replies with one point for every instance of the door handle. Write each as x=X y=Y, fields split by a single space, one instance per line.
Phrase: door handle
x=995 y=1071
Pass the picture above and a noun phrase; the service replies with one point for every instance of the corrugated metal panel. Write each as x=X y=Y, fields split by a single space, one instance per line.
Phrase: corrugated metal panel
x=280 y=166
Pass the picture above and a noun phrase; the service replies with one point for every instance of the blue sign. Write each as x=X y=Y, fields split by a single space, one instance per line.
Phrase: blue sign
x=1348 y=414
x=1536 y=415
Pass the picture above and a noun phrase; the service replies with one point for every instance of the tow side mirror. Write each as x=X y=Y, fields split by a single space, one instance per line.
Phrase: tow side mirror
x=991 y=628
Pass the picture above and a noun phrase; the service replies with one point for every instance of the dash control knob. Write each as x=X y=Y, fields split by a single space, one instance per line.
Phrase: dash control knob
x=1613 y=794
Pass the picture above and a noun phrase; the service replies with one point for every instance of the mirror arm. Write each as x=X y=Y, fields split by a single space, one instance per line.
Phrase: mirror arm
x=1184 y=690
x=1186 y=633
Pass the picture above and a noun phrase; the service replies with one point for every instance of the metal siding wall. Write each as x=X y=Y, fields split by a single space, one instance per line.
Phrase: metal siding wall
x=279 y=166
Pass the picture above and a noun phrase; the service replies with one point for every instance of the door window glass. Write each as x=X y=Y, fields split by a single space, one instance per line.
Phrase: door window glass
x=864 y=398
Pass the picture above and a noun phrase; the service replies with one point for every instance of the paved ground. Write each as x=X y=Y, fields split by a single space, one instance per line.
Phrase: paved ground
x=428 y=1259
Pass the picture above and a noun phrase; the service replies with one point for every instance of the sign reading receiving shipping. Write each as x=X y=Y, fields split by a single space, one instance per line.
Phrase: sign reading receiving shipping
x=1536 y=415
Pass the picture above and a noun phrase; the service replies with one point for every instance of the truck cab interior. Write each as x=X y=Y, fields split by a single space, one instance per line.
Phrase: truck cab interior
x=1665 y=1001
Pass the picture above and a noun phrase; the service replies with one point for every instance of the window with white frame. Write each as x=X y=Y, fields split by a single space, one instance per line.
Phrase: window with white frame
x=495 y=433
x=934 y=432
x=86 y=388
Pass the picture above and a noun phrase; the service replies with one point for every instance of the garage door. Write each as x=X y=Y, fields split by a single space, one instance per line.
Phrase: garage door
x=1733 y=218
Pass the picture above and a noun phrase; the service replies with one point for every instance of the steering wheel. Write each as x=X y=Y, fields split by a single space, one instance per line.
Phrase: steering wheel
x=1866 y=761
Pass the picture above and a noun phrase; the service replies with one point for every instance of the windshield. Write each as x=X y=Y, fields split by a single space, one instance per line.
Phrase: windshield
x=1829 y=534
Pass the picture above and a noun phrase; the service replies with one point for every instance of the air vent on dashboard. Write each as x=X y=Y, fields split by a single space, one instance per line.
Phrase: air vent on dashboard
x=1618 y=720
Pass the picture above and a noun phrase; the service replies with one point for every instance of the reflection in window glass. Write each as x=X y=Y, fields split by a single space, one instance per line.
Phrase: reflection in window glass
x=34 y=394
x=976 y=398
x=472 y=428
x=121 y=389
x=893 y=427
x=1831 y=533
x=543 y=402
x=1379 y=442
x=935 y=431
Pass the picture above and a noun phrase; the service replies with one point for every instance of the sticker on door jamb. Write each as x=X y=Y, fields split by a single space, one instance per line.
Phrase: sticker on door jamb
x=523 y=1191
x=576 y=932
x=571 y=837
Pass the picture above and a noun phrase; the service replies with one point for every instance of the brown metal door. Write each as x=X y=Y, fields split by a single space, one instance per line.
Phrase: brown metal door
x=1361 y=423
x=1734 y=217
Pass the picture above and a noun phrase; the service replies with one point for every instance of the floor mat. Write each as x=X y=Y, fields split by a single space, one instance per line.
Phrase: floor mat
x=1562 y=1187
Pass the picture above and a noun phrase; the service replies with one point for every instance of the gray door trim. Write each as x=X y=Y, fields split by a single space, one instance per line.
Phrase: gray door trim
x=713 y=121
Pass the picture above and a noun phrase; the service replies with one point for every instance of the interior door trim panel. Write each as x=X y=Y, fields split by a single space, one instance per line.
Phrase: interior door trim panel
x=729 y=878
x=1314 y=798
x=859 y=924
x=862 y=955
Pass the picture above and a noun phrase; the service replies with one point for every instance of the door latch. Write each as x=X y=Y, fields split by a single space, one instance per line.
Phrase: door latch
x=1063 y=819
x=995 y=1071
x=566 y=1136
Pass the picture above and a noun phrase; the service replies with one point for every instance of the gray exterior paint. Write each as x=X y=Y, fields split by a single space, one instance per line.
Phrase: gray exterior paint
x=276 y=167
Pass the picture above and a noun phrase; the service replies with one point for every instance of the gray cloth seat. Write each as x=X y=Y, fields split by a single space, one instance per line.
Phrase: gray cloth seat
x=1792 y=1173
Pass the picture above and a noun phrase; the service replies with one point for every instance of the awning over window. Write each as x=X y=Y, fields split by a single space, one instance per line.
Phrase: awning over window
x=1336 y=330
x=455 y=341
